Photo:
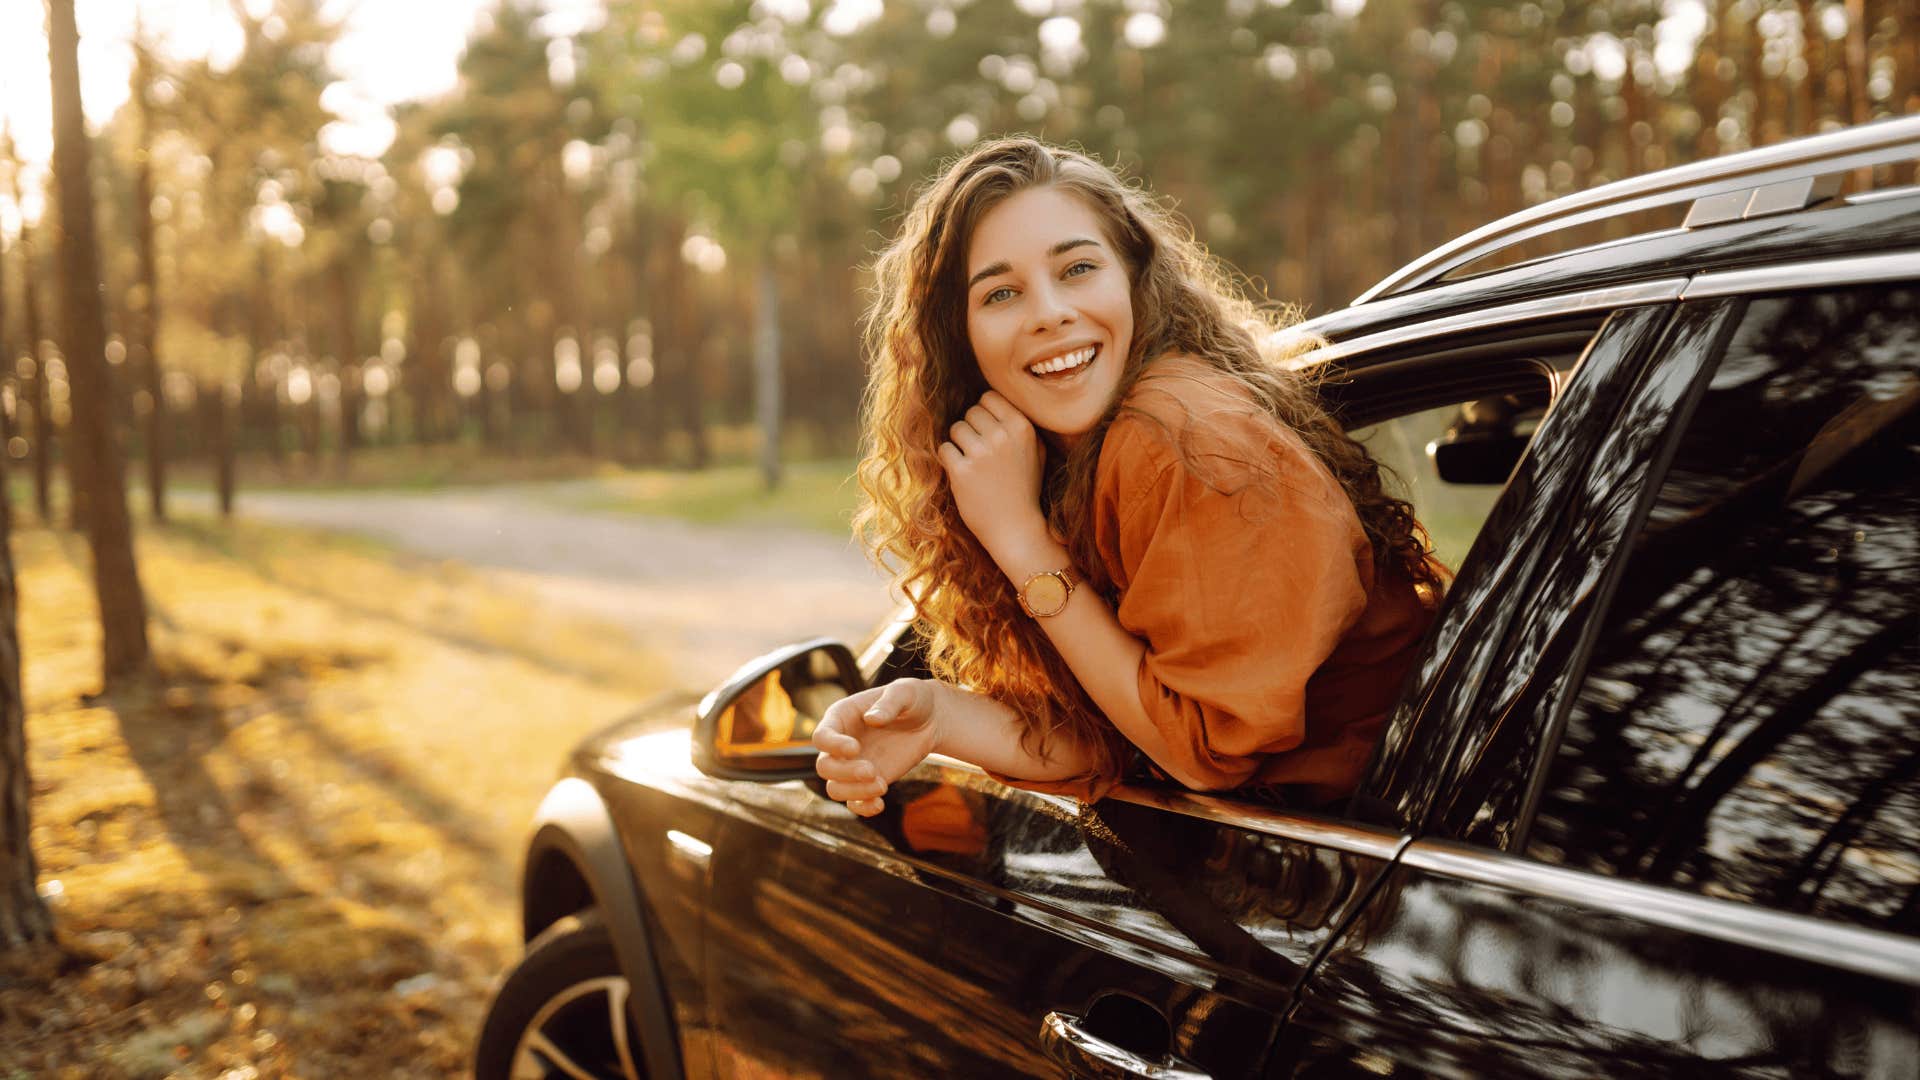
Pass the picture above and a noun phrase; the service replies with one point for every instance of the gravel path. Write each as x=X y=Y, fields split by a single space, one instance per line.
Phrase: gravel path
x=705 y=597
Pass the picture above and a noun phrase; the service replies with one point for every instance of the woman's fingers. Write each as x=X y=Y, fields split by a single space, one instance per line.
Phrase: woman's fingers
x=1002 y=410
x=834 y=736
x=847 y=769
x=902 y=698
x=966 y=437
x=843 y=791
x=828 y=738
x=867 y=807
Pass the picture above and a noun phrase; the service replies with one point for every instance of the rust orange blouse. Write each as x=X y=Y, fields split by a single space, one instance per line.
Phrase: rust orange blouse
x=1274 y=648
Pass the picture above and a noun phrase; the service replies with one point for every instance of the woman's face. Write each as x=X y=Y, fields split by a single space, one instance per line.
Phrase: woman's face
x=1049 y=309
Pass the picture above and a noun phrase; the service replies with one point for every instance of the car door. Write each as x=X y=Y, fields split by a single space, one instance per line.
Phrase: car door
x=1676 y=835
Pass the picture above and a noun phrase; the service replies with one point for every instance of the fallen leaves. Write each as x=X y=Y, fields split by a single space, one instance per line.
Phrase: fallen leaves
x=290 y=853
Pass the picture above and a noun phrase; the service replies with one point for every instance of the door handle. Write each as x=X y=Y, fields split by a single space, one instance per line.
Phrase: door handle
x=1089 y=1055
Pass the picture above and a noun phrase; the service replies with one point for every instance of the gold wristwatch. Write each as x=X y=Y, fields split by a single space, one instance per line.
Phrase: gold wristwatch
x=1046 y=592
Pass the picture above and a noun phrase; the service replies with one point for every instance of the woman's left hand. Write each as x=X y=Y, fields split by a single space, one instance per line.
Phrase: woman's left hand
x=993 y=460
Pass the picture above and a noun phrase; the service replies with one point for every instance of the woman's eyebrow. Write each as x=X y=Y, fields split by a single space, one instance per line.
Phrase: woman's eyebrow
x=1001 y=267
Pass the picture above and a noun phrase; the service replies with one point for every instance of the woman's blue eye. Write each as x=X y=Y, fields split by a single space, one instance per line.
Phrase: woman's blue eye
x=994 y=296
x=1076 y=268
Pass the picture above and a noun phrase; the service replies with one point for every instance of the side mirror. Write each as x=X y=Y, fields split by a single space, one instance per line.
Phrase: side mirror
x=1477 y=457
x=759 y=724
x=1487 y=439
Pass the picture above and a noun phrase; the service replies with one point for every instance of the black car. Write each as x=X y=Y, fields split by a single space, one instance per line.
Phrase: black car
x=1649 y=803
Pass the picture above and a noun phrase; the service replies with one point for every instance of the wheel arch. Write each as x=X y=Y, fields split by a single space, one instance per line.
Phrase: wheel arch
x=575 y=861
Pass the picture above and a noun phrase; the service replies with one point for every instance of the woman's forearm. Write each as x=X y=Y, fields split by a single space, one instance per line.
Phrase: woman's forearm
x=981 y=731
x=1103 y=655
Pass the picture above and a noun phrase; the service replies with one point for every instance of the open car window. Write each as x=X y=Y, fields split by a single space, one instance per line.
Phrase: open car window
x=1448 y=429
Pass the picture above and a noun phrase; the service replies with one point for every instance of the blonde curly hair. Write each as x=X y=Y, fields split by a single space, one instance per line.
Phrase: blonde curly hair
x=922 y=377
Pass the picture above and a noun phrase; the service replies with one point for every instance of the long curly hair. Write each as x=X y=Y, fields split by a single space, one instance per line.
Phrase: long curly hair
x=922 y=377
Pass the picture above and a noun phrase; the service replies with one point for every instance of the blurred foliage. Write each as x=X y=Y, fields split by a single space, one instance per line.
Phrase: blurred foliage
x=565 y=253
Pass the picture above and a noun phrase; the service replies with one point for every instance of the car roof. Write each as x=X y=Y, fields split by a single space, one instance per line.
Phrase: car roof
x=1765 y=207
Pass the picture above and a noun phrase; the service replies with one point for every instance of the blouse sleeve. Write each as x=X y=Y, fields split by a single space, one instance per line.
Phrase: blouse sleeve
x=1241 y=581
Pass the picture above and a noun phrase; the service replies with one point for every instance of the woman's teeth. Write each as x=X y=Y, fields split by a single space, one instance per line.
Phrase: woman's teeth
x=1064 y=362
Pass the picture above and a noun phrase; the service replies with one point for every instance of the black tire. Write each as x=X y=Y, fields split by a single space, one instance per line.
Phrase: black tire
x=566 y=1000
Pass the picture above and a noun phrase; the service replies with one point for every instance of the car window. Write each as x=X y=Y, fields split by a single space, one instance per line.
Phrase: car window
x=1746 y=726
x=1452 y=511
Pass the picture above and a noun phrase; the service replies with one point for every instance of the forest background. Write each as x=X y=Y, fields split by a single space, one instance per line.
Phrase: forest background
x=584 y=246
x=279 y=779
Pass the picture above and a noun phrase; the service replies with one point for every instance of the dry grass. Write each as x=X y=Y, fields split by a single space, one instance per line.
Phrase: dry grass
x=292 y=850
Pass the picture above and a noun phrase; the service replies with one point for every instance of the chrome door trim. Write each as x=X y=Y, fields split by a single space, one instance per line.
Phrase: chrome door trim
x=1066 y=1040
x=1345 y=836
x=689 y=849
x=1870 y=952
x=1660 y=290
x=1851 y=270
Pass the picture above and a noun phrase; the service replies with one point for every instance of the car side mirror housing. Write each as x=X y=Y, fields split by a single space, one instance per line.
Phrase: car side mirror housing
x=759 y=724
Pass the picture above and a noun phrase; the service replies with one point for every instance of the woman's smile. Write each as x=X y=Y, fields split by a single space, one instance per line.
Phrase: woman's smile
x=1065 y=365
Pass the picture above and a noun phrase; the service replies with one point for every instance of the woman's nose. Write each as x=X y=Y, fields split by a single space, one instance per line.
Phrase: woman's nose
x=1050 y=308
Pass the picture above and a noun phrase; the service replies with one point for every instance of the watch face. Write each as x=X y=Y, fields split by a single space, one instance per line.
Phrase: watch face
x=1046 y=594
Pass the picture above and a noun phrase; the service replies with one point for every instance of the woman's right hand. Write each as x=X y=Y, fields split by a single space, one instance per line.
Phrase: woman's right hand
x=872 y=738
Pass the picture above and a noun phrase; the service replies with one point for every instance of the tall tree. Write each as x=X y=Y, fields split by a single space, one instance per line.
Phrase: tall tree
x=32 y=390
x=23 y=915
x=146 y=296
x=96 y=456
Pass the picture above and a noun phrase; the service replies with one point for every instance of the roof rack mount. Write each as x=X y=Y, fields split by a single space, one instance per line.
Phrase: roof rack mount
x=1772 y=179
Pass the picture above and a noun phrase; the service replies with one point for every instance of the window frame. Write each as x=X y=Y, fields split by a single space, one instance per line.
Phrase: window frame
x=1730 y=292
x=1730 y=303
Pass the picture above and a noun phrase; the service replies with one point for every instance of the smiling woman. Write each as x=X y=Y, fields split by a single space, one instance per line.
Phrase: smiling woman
x=1135 y=542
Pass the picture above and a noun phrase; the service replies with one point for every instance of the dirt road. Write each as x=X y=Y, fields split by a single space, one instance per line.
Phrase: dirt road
x=704 y=597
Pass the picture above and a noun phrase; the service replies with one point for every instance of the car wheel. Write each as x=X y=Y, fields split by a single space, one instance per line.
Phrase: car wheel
x=562 y=1011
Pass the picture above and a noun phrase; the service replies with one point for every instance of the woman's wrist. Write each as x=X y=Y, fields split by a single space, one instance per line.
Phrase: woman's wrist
x=1032 y=552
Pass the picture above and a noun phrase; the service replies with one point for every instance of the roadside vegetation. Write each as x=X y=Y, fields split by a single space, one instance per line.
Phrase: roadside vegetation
x=816 y=492
x=290 y=849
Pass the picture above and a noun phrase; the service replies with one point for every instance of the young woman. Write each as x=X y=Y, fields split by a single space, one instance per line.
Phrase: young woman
x=1129 y=534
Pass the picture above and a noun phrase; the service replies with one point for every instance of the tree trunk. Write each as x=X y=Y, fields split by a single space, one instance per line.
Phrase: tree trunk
x=766 y=371
x=96 y=464
x=675 y=349
x=347 y=349
x=37 y=394
x=147 y=299
x=265 y=403
x=1906 y=76
x=23 y=915
x=217 y=434
x=644 y=401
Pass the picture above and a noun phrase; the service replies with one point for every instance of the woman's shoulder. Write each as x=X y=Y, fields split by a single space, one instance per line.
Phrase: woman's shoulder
x=1180 y=385
x=1187 y=414
x=1184 y=403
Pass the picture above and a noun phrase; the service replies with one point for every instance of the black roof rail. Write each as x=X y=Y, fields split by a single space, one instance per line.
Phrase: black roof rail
x=1771 y=179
